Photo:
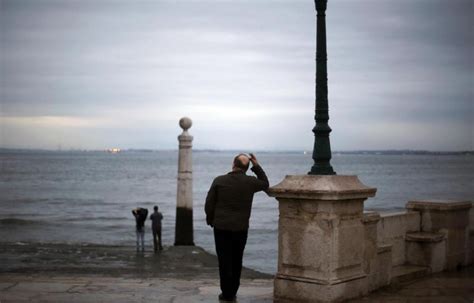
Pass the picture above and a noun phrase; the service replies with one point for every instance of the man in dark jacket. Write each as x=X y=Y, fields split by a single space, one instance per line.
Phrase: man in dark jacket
x=228 y=207
x=156 y=218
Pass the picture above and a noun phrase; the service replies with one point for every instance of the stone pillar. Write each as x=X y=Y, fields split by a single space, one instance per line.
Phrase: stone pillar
x=450 y=218
x=426 y=249
x=320 y=238
x=184 y=203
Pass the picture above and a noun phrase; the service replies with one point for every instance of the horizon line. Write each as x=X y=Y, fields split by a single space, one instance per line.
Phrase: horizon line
x=236 y=150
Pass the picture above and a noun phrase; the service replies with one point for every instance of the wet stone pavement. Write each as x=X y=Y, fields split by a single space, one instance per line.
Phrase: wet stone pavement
x=64 y=273
x=440 y=288
x=445 y=287
x=18 y=288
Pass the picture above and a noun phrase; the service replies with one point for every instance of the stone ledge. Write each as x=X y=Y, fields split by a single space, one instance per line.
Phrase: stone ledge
x=438 y=205
x=424 y=237
x=398 y=213
x=321 y=187
x=370 y=217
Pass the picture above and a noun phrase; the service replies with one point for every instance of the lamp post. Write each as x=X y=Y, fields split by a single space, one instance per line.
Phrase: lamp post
x=322 y=146
x=323 y=253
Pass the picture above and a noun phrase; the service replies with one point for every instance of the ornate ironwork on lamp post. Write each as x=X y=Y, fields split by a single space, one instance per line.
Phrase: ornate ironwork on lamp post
x=322 y=146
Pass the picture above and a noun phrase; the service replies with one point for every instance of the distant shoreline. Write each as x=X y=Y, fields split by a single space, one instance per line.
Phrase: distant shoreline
x=336 y=152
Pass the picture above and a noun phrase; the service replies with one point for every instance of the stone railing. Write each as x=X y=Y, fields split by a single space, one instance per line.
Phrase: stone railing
x=392 y=230
x=440 y=221
x=330 y=250
x=433 y=235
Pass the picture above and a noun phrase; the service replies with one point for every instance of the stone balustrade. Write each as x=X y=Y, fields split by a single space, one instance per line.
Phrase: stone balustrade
x=330 y=250
x=392 y=230
x=450 y=219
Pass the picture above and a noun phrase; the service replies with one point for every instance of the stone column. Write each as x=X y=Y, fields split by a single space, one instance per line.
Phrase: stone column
x=184 y=203
x=320 y=238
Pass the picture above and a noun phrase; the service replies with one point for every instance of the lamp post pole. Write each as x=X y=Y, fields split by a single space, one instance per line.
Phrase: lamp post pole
x=322 y=146
x=324 y=241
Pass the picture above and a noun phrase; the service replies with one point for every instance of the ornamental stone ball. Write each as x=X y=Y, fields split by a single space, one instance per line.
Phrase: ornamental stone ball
x=185 y=123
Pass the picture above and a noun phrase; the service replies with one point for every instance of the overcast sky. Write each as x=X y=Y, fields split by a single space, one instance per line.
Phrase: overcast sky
x=98 y=74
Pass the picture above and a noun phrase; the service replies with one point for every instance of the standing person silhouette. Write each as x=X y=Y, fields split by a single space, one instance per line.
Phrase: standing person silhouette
x=140 y=215
x=156 y=218
x=228 y=207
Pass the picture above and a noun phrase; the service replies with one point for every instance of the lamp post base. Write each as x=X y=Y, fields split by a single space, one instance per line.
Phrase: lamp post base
x=321 y=170
x=320 y=238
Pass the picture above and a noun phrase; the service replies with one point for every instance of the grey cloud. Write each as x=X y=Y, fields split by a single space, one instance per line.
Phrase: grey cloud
x=82 y=58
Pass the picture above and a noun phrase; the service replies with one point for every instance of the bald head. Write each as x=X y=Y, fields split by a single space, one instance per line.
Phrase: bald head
x=241 y=162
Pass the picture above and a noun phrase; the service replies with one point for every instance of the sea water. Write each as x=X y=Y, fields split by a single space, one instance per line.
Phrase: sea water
x=87 y=197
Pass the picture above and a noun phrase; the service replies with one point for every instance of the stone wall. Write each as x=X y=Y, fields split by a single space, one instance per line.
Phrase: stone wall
x=392 y=229
x=377 y=262
x=434 y=235
x=449 y=219
x=331 y=250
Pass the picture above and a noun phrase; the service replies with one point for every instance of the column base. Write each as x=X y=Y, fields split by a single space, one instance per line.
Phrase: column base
x=184 y=227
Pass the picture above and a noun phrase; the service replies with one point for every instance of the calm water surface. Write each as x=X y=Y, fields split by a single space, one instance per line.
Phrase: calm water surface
x=86 y=197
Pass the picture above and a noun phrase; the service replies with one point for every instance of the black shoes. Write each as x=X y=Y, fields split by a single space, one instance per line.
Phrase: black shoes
x=222 y=298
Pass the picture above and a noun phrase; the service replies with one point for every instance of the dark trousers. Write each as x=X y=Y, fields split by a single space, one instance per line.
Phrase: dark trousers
x=157 y=242
x=230 y=247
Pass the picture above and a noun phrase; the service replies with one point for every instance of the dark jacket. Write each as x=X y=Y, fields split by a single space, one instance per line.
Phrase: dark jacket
x=229 y=200
x=140 y=215
x=156 y=218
